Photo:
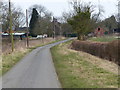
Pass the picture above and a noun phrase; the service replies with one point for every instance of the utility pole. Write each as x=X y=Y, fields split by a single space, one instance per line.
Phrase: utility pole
x=10 y=27
x=60 y=30
x=27 y=42
x=40 y=26
x=54 y=27
x=0 y=42
x=118 y=14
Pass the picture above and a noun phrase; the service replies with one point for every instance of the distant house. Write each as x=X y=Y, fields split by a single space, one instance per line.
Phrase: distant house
x=116 y=30
x=99 y=32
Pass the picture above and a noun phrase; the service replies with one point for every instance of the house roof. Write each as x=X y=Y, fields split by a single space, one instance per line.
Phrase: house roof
x=17 y=34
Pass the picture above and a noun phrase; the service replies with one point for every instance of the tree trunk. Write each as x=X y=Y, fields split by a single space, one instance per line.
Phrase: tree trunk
x=80 y=37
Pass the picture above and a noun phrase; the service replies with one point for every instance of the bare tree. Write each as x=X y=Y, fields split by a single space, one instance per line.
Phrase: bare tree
x=98 y=15
x=18 y=17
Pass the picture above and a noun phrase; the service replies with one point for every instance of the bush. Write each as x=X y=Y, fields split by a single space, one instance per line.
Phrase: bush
x=109 y=51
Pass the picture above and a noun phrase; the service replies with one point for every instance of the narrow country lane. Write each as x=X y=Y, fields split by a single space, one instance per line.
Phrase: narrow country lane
x=35 y=70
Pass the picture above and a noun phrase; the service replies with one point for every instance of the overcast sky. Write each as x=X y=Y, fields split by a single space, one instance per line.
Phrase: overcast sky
x=59 y=6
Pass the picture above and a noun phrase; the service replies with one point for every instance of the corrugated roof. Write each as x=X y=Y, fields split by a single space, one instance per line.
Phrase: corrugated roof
x=13 y=34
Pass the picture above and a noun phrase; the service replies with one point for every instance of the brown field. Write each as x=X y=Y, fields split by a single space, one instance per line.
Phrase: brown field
x=21 y=44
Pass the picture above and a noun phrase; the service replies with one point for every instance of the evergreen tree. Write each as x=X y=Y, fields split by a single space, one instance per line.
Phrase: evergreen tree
x=34 y=22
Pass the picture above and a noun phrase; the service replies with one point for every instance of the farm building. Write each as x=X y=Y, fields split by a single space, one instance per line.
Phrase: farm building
x=116 y=30
x=19 y=36
x=99 y=32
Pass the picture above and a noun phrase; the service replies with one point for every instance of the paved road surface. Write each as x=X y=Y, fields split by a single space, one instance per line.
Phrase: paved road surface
x=35 y=70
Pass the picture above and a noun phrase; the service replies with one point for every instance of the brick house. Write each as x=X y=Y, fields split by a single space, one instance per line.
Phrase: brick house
x=99 y=32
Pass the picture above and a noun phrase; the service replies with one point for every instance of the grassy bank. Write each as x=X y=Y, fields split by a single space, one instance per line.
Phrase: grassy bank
x=103 y=39
x=9 y=60
x=81 y=70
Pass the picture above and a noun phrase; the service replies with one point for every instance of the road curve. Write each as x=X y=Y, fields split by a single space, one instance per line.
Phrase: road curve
x=35 y=70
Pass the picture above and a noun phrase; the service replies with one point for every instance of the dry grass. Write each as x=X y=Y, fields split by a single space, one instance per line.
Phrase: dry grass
x=81 y=70
x=19 y=45
x=8 y=61
x=102 y=63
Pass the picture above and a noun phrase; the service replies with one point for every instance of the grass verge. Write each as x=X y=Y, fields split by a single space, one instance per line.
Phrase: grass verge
x=103 y=39
x=75 y=71
x=9 y=60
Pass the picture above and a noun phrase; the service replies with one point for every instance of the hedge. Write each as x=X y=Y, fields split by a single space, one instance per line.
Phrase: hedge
x=109 y=51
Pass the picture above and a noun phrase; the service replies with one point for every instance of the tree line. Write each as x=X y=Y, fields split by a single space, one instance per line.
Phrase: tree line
x=81 y=20
x=40 y=18
x=18 y=17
